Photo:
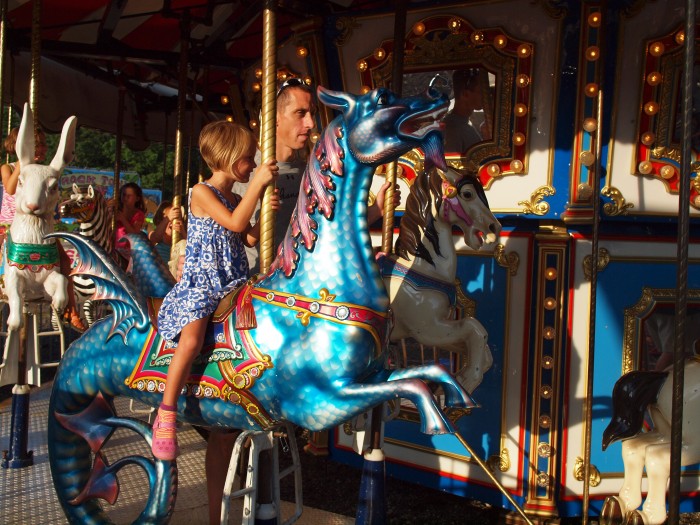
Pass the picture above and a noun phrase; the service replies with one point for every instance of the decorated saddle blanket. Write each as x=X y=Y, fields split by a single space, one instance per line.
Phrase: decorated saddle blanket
x=390 y=267
x=227 y=367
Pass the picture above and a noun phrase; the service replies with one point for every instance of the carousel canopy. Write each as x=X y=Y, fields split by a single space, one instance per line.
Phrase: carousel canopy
x=91 y=49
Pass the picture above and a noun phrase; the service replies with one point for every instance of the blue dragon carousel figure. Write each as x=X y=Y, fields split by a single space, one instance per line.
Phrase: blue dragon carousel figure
x=304 y=343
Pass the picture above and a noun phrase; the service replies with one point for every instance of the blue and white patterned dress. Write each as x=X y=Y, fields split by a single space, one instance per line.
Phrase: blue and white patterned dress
x=215 y=264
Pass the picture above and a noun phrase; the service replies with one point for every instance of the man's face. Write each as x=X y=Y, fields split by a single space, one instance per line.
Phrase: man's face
x=294 y=119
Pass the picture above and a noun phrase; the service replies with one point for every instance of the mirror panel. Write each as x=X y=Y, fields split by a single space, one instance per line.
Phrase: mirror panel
x=497 y=68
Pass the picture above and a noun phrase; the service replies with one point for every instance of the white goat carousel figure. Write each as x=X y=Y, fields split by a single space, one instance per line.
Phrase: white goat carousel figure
x=32 y=273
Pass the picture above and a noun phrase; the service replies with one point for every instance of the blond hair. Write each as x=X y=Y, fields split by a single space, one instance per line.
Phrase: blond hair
x=223 y=143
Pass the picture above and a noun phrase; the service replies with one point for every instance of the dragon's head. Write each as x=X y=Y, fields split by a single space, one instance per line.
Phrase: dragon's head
x=381 y=126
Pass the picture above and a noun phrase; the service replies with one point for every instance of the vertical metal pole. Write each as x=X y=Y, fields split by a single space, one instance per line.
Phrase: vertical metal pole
x=118 y=155
x=3 y=46
x=590 y=368
x=180 y=130
x=36 y=61
x=682 y=275
x=266 y=513
x=17 y=456
x=268 y=144
x=371 y=508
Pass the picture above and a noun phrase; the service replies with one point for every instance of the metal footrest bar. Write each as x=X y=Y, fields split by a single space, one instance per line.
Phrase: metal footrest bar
x=257 y=442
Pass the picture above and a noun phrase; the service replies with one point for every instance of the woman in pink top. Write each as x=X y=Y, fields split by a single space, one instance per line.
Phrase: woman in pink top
x=131 y=216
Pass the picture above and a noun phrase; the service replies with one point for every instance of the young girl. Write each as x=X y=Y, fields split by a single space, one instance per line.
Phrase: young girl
x=131 y=216
x=215 y=259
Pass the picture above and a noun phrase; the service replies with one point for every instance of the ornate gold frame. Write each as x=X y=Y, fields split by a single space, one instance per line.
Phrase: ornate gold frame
x=444 y=42
x=657 y=151
x=637 y=313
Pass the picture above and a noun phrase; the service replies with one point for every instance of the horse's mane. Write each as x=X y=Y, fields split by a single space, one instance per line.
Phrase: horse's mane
x=418 y=219
x=315 y=193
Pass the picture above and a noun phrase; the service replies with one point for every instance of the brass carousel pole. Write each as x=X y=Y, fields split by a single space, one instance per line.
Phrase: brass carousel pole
x=180 y=129
x=267 y=129
x=266 y=510
x=17 y=456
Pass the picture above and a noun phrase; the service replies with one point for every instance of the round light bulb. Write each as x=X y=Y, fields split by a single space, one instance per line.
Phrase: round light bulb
x=500 y=41
x=651 y=108
x=362 y=65
x=593 y=53
x=594 y=19
x=256 y=87
x=516 y=165
x=520 y=109
x=224 y=99
x=654 y=78
x=680 y=37
x=524 y=50
x=648 y=138
x=518 y=138
x=522 y=80
x=591 y=89
x=587 y=158
x=477 y=37
x=590 y=124
x=550 y=274
x=550 y=303
x=493 y=170
x=667 y=172
x=258 y=73
x=419 y=28
x=302 y=51
x=454 y=24
x=379 y=53
x=645 y=167
x=365 y=89
x=657 y=49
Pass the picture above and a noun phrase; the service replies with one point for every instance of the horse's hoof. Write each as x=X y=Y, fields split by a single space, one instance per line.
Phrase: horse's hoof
x=611 y=514
x=634 y=517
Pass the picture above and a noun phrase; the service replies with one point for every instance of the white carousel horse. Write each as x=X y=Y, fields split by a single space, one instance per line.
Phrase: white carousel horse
x=420 y=278
x=632 y=393
x=31 y=262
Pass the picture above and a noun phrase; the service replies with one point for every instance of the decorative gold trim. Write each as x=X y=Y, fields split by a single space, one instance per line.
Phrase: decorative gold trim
x=579 y=470
x=345 y=25
x=509 y=261
x=499 y=462
x=465 y=304
x=603 y=261
x=618 y=206
x=534 y=205
x=545 y=450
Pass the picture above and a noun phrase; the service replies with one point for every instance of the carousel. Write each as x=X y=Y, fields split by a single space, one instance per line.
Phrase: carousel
x=522 y=326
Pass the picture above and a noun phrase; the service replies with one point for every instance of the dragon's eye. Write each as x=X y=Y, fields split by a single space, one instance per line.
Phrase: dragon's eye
x=383 y=99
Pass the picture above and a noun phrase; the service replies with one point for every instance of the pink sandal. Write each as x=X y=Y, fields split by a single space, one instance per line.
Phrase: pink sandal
x=164 y=440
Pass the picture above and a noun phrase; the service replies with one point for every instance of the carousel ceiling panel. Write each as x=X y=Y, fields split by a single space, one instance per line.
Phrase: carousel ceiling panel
x=136 y=43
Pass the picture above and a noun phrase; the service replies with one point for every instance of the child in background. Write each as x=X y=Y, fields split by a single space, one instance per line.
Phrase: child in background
x=166 y=220
x=131 y=217
x=215 y=259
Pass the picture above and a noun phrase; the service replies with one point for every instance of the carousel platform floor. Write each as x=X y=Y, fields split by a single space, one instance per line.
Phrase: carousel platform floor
x=27 y=494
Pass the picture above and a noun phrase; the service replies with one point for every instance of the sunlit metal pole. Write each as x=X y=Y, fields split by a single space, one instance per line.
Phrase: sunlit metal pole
x=268 y=129
x=180 y=128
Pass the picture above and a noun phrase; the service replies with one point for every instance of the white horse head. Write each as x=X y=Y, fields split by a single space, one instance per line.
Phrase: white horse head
x=31 y=262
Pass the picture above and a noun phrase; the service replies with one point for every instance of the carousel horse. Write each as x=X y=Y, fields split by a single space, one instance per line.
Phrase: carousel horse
x=89 y=209
x=303 y=343
x=420 y=277
x=633 y=393
x=31 y=262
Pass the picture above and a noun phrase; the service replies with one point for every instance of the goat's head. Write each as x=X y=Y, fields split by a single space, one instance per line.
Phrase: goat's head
x=37 y=187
